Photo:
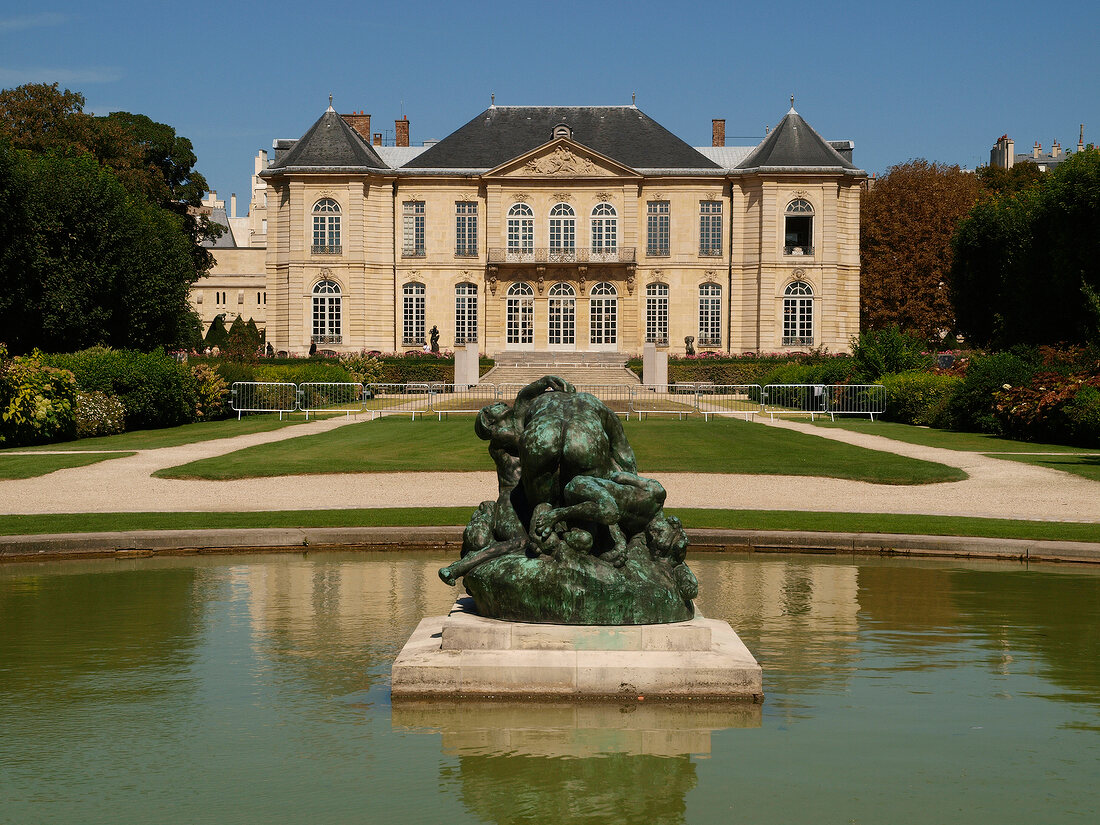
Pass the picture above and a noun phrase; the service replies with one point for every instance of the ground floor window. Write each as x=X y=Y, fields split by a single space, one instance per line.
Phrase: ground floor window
x=798 y=315
x=412 y=315
x=562 y=318
x=603 y=314
x=521 y=314
x=326 y=313
x=465 y=314
x=656 y=314
x=710 y=315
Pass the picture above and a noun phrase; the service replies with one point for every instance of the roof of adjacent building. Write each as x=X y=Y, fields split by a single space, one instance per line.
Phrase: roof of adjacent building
x=500 y=133
x=218 y=215
x=329 y=143
x=794 y=144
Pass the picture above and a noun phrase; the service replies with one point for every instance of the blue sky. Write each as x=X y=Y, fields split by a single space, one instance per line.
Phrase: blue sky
x=936 y=80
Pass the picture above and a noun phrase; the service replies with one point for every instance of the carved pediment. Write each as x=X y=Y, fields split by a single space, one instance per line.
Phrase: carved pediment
x=562 y=159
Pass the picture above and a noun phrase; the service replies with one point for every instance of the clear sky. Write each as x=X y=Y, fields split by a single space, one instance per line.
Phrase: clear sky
x=939 y=80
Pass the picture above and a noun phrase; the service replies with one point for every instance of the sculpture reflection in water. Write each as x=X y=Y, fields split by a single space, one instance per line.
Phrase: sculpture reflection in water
x=575 y=535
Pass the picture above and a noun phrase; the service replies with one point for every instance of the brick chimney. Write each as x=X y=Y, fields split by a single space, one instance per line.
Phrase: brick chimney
x=1056 y=150
x=718 y=132
x=401 y=132
x=360 y=122
x=1036 y=150
x=1081 y=139
x=377 y=138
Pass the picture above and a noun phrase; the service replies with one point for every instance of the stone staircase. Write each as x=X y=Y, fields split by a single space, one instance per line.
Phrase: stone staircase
x=602 y=368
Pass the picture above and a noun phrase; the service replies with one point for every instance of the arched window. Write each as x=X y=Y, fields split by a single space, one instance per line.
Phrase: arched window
x=412 y=314
x=605 y=232
x=521 y=231
x=326 y=313
x=603 y=316
x=465 y=314
x=563 y=233
x=656 y=314
x=798 y=228
x=521 y=315
x=710 y=315
x=798 y=315
x=562 y=316
x=326 y=227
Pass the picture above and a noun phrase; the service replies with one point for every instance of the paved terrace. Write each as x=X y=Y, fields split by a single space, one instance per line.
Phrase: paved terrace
x=994 y=489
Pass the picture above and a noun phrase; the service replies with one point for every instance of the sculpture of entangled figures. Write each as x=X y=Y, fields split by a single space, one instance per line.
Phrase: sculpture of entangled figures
x=575 y=535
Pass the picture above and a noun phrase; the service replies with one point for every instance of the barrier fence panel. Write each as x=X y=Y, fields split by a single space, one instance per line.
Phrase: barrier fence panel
x=447 y=398
x=260 y=396
x=794 y=399
x=330 y=398
x=729 y=399
x=856 y=399
x=396 y=399
x=615 y=396
x=664 y=399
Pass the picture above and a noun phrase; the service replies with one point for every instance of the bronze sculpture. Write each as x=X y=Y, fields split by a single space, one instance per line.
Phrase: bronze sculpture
x=575 y=535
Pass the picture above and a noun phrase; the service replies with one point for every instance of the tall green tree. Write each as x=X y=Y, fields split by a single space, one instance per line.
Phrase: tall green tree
x=907 y=220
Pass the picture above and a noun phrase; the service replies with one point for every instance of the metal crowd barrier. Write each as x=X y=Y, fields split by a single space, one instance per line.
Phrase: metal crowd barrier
x=330 y=397
x=728 y=399
x=664 y=399
x=448 y=398
x=794 y=399
x=615 y=396
x=396 y=399
x=855 y=399
x=260 y=396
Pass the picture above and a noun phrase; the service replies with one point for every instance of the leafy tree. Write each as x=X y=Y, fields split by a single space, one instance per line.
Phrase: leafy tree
x=217 y=335
x=243 y=341
x=1027 y=266
x=998 y=181
x=906 y=223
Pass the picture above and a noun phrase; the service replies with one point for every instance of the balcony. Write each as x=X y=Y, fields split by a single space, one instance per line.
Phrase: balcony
x=798 y=341
x=555 y=255
x=709 y=342
x=323 y=249
x=798 y=250
x=463 y=340
x=328 y=339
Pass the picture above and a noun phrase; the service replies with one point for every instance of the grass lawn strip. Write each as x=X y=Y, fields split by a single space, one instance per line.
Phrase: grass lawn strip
x=1086 y=465
x=32 y=466
x=172 y=436
x=661 y=445
x=457 y=516
x=944 y=439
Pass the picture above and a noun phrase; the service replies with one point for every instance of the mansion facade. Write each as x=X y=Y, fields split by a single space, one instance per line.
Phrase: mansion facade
x=550 y=229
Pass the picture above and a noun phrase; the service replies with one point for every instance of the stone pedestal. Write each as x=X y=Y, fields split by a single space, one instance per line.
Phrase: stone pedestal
x=463 y=654
x=654 y=366
x=467 y=366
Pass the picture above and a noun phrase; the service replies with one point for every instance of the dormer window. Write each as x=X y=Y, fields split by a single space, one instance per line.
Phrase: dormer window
x=562 y=130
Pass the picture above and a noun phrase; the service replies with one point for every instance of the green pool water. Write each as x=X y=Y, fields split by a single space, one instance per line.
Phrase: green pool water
x=254 y=689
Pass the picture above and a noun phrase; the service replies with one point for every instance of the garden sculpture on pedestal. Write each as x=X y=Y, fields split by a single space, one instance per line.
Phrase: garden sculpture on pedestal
x=575 y=535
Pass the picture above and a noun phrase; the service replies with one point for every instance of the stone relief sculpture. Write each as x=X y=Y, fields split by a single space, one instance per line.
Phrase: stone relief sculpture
x=561 y=162
x=575 y=535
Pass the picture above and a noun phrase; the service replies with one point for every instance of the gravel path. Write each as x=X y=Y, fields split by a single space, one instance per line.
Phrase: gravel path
x=995 y=488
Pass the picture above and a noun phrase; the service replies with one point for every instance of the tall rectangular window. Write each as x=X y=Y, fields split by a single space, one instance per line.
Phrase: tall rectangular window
x=710 y=228
x=657 y=214
x=465 y=314
x=710 y=315
x=413 y=244
x=412 y=314
x=656 y=314
x=465 y=229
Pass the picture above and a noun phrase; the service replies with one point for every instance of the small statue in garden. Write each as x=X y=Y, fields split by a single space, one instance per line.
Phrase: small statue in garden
x=434 y=332
x=689 y=344
x=575 y=535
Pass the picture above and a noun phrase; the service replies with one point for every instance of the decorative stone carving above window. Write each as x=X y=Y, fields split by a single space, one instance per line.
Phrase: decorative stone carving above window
x=560 y=162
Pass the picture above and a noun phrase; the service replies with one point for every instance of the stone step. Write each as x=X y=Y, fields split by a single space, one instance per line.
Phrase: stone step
x=574 y=374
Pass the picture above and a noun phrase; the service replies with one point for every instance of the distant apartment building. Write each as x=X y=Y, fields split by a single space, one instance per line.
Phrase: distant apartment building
x=1004 y=156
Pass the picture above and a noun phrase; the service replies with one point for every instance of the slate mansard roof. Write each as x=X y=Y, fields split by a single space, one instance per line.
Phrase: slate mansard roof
x=330 y=145
x=793 y=145
x=501 y=133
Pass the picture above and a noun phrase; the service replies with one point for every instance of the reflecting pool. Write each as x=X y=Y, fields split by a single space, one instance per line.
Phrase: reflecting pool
x=254 y=689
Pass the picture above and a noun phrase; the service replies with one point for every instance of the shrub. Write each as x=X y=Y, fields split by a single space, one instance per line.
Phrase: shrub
x=211 y=393
x=305 y=371
x=363 y=368
x=971 y=407
x=915 y=397
x=1052 y=407
x=881 y=351
x=37 y=402
x=217 y=335
x=98 y=414
x=155 y=389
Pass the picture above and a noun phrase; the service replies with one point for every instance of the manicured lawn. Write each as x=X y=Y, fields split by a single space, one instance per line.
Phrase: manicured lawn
x=173 y=436
x=443 y=516
x=32 y=466
x=661 y=445
x=1082 y=465
x=946 y=439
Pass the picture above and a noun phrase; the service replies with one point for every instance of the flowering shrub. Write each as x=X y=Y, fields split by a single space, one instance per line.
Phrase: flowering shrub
x=211 y=393
x=1052 y=407
x=37 y=402
x=98 y=414
x=363 y=368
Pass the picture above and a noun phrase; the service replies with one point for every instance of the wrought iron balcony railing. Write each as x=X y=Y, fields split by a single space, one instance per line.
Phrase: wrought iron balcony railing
x=323 y=249
x=710 y=251
x=563 y=255
x=798 y=341
x=462 y=340
x=660 y=340
x=795 y=249
x=709 y=342
x=328 y=339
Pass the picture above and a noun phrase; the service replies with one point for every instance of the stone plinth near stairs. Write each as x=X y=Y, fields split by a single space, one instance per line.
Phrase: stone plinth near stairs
x=463 y=654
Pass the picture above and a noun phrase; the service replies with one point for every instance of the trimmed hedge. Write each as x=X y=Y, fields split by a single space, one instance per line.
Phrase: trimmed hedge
x=916 y=397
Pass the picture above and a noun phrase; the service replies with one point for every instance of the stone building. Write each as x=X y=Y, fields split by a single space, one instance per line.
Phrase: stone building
x=552 y=228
